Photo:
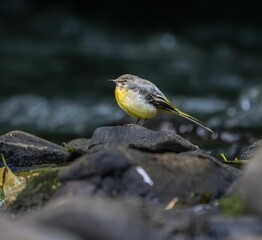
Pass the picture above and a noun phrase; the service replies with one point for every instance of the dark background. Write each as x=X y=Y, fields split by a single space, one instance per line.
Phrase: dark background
x=146 y=13
x=56 y=58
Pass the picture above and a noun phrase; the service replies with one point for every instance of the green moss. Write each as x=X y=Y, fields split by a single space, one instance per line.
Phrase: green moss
x=232 y=206
x=68 y=149
x=38 y=191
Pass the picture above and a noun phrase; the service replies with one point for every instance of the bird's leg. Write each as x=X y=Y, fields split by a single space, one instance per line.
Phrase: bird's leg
x=144 y=121
x=132 y=124
x=138 y=122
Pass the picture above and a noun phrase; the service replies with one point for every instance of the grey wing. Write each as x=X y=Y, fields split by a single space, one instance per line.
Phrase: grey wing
x=153 y=95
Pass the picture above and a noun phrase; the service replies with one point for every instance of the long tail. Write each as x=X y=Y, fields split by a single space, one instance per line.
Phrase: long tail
x=163 y=104
x=192 y=119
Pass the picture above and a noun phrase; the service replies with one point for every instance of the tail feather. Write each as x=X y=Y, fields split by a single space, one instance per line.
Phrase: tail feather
x=192 y=119
x=163 y=104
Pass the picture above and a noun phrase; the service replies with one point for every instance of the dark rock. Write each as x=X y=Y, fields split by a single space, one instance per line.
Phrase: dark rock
x=72 y=189
x=235 y=228
x=252 y=183
x=96 y=218
x=225 y=169
x=98 y=164
x=236 y=188
x=160 y=177
x=78 y=146
x=23 y=150
x=251 y=150
x=13 y=230
x=138 y=137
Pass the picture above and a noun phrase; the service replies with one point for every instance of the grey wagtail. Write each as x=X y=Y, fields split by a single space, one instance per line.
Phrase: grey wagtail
x=142 y=99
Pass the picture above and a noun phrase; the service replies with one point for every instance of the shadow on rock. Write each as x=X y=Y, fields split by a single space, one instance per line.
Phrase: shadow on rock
x=96 y=218
x=157 y=177
x=24 y=150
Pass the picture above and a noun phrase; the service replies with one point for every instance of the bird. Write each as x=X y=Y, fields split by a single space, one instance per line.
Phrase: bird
x=143 y=100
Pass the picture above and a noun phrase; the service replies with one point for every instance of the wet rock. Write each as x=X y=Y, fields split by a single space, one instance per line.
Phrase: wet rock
x=138 y=137
x=251 y=150
x=22 y=149
x=158 y=177
x=96 y=218
x=252 y=183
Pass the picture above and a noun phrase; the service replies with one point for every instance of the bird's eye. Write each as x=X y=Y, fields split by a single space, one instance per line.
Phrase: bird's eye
x=123 y=81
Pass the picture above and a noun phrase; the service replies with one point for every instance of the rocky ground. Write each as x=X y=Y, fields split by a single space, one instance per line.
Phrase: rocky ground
x=129 y=182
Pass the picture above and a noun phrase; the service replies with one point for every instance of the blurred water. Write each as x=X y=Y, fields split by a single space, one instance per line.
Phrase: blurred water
x=54 y=68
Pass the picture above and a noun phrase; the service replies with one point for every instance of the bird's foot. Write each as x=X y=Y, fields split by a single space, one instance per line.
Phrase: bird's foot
x=139 y=122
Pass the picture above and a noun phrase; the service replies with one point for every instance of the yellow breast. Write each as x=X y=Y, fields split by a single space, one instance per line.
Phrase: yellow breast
x=134 y=104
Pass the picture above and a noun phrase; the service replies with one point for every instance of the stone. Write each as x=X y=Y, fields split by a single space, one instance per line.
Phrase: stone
x=78 y=146
x=251 y=150
x=252 y=188
x=14 y=230
x=234 y=228
x=138 y=137
x=22 y=149
x=36 y=194
x=157 y=177
x=96 y=218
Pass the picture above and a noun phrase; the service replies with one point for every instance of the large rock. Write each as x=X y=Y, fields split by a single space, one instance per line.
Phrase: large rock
x=23 y=150
x=13 y=230
x=251 y=150
x=238 y=186
x=240 y=228
x=96 y=218
x=251 y=181
x=158 y=177
x=138 y=137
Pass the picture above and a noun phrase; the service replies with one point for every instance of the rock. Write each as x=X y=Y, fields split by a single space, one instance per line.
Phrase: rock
x=72 y=189
x=252 y=188
x=236 y=188
x=251 y=150
x=13 y=230
x=235 y=228
x=23 y=150
x=78 y=146
x=158 y=177
x=138 y=137
x=36 y=193
x=96 y=218
x=97 y=164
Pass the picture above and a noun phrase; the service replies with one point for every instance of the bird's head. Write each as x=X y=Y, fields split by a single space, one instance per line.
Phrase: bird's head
x=123 y=79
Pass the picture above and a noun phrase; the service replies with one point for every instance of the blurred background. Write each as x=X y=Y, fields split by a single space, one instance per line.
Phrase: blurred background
x=56 y=58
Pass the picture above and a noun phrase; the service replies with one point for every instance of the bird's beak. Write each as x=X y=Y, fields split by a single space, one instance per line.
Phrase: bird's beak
x=112 y=80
